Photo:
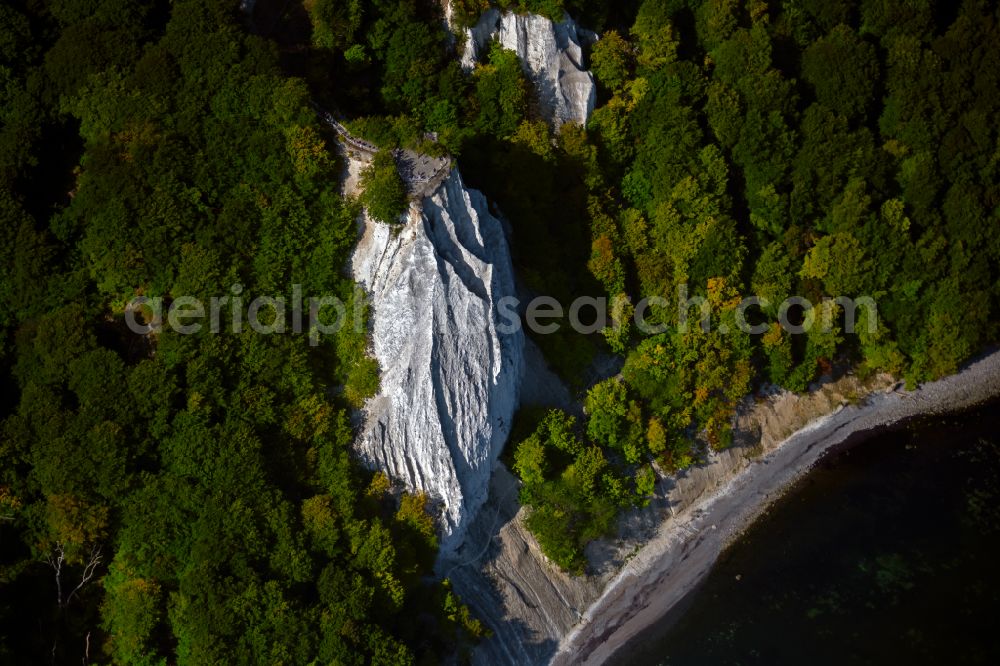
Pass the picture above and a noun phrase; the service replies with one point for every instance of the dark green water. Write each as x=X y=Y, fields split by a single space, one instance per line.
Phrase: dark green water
x=888 y=553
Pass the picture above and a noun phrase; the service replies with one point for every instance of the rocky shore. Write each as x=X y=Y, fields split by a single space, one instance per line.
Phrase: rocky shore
x=683 y=550
x=539 y=615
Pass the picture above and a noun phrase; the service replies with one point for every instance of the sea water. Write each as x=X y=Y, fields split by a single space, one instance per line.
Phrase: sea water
x=888 y=552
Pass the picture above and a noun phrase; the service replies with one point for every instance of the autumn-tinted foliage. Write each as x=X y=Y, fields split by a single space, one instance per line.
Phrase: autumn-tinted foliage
x=812 y=148
x=200 y=486
x=817 y=149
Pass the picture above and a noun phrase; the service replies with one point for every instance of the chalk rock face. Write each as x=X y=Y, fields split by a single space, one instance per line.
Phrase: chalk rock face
x=552 y=57
x=451 y=369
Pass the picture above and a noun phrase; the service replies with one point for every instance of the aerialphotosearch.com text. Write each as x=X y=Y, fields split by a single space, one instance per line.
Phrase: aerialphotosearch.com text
x=326 y=315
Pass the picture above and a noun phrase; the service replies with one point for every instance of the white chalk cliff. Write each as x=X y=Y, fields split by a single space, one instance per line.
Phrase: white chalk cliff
x=450 y=373
x=551 y=55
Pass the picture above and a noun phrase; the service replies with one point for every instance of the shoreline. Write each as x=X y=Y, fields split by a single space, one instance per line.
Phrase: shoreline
x=676 y=560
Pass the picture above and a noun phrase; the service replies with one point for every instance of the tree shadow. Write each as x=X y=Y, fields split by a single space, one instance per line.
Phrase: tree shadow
x=477 y=573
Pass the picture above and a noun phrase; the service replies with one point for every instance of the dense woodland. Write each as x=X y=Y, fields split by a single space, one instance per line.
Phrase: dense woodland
x=809 y=148
x=203 y=494
x=191 y=498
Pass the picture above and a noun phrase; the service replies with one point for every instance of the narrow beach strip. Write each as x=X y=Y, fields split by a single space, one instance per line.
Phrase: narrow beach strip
x=686 y=546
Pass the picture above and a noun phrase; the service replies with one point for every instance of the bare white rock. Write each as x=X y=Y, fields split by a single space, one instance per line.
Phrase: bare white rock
x=451 y=370
x=551 y=55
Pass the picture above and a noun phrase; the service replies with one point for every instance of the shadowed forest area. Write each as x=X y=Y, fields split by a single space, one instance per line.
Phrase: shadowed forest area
x=192 y=499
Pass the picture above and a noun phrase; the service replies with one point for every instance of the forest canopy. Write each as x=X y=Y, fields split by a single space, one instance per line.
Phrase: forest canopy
x=178 y=498
x=777 y=149
x=191 y=498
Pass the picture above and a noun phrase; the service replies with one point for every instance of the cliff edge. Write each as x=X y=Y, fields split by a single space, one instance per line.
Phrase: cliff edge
x=450 y=371
x=551 y=55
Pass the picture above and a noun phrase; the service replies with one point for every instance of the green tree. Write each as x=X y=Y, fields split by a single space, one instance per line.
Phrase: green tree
x=383 y=191
x=611 y=60
x=501 y=93
x=334 y=24
x=843 y=70
x=841 y=263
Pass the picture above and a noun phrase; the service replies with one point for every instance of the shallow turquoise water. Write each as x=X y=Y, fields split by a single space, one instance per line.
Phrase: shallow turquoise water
x=887 y=553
